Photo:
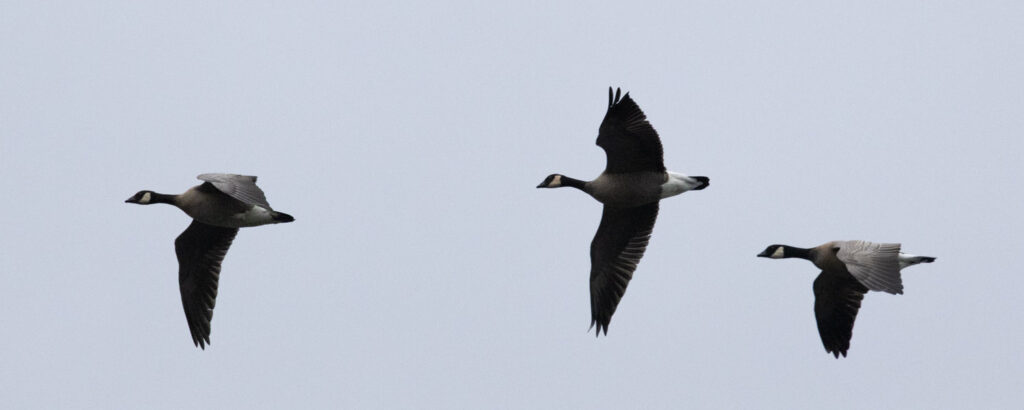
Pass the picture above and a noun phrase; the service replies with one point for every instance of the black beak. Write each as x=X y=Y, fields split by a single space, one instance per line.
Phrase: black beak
x=129 y=200
x=763 y=254
x=542 y=185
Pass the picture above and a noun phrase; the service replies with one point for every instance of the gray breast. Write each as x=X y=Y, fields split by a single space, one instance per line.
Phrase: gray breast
x=628 y=189
x=211 y=206
x=824 y=257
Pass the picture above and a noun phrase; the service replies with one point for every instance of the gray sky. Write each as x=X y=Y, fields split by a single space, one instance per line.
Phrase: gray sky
x=424 y=270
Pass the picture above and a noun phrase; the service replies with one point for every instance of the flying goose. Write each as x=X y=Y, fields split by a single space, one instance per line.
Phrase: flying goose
x=633 y=182
x=218 y=207
x=849 y=269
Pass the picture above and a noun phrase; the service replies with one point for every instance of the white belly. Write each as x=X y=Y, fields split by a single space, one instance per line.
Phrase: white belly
x=255 y=216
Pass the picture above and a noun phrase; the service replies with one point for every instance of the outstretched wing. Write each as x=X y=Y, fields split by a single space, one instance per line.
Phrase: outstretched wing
x=836 y=302
x=240 y=187
x=200 y=250
x=628 y=140
x=617 y=247
x=876 y=265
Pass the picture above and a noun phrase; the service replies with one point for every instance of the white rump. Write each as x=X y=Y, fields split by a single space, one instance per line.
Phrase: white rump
x=875 y=265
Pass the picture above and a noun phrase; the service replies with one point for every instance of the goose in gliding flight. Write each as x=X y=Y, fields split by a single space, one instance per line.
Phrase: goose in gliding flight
x=632 y=184
x=218 y=207
x=849 y=269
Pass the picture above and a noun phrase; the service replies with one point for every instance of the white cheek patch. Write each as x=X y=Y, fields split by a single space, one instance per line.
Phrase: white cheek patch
x=557 y=181
x=779 y=252
x=145 y=198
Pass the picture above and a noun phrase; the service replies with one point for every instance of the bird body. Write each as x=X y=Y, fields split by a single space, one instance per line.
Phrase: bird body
x=627 y=190
x=849 y=269
x=631 y=186
x=210 y=206
x=219 y=206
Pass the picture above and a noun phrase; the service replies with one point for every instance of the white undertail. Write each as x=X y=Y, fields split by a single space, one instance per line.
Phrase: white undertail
x=907 y=259
x=677 y=184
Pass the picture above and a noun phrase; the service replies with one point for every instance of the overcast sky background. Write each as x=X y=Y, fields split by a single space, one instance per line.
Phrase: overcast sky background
x=424 y=270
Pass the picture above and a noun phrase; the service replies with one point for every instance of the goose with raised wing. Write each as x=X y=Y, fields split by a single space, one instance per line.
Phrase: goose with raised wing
x=631 y=186
x=218 y=207
x=849 y=269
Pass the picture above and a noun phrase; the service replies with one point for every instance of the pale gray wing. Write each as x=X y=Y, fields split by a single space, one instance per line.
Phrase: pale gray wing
x=240 y=187
x=876 y=265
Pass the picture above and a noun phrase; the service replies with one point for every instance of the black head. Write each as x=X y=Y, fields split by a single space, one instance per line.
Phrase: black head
x=774 y=252
x=552 y=181
x=141 y=198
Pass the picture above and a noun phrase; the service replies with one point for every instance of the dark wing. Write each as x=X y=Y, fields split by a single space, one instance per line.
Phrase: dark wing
x=619 y=244
x=240 y=187
x=200 y=249
x=836 y=302
x=628 y=140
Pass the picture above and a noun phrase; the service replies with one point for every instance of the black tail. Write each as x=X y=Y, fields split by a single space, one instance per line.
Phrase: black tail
x=704 y=182
x=927 y=259
x=282 y=217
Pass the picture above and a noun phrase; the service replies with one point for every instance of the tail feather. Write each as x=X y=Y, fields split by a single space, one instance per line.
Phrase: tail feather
x=704 y=182
x=911 y=260
x=282 y=217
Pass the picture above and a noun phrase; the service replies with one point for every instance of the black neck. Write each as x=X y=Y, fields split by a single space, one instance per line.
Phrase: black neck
x=794 y=252
x=573 y=182
x=156 y=198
